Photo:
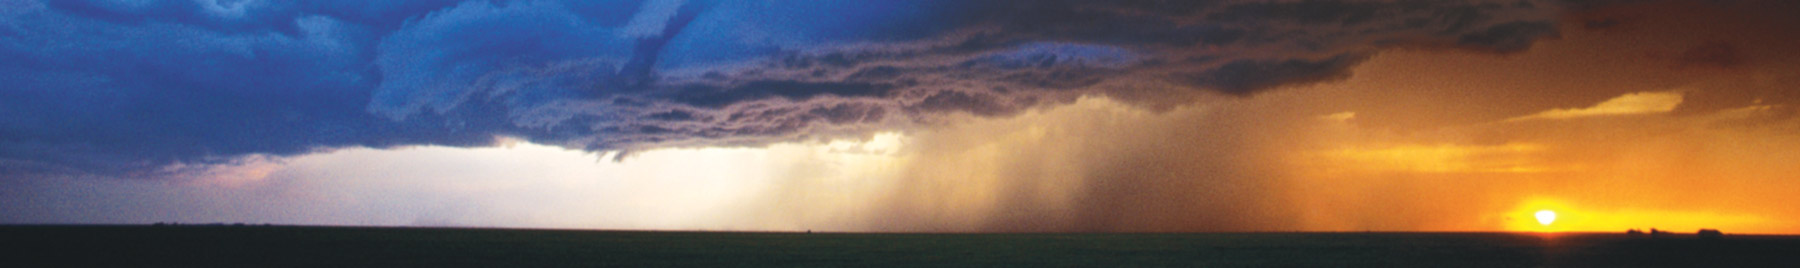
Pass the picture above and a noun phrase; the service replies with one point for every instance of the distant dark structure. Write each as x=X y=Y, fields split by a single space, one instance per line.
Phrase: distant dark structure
x=1711 y=234
x=1654 y=233
x=1634 y=233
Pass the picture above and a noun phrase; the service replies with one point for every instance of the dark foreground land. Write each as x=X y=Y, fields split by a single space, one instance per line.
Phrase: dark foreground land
x=282 y=246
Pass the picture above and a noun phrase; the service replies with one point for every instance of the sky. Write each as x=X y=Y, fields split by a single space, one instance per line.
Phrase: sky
x=905 y=116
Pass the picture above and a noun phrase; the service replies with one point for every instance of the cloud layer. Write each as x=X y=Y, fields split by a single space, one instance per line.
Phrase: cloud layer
x=128 y=88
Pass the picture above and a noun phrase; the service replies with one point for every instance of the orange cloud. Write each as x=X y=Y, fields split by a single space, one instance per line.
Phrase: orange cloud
x=1628 y=104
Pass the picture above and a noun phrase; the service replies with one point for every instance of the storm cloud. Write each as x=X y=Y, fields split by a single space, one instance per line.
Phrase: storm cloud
x=130 y=88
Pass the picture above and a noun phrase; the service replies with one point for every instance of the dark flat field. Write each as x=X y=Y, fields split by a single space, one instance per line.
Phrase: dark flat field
x=285 y=246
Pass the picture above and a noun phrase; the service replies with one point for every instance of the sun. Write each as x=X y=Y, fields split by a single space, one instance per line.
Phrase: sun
x=1546 y=217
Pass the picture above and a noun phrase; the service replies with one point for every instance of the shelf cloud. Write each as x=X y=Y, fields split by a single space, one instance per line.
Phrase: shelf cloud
x=126 y=87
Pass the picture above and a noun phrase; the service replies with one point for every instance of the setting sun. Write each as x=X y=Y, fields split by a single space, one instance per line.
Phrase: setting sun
x=1546 y=217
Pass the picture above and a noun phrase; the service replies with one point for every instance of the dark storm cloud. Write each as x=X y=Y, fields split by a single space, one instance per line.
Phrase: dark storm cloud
x=125 y=87
x=1248 y=76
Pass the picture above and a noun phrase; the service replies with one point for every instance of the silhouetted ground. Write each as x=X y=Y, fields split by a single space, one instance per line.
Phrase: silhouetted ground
x=285 y=246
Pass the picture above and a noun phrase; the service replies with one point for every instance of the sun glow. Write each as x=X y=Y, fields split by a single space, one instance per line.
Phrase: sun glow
x=1440 y=158
x=1546 y=217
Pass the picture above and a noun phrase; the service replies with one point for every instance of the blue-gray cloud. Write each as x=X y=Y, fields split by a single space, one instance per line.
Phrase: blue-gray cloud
x=125 y=87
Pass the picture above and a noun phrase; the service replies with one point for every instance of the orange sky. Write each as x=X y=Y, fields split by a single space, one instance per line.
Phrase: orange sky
x=1631 y=125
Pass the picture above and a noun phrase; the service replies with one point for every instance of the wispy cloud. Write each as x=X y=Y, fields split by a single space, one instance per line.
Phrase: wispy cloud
x=1628 y=104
